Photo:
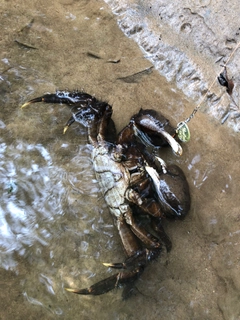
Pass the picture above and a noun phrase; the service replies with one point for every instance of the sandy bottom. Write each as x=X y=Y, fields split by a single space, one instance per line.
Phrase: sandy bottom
x=55 y=229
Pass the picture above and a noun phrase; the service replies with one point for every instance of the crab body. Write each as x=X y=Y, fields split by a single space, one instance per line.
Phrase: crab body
x=113 y=179
x=133 y=180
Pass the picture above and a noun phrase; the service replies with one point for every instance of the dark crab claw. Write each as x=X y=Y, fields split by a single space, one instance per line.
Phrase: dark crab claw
x=98 y=288
x=148 y=124
x=177 y=149
x=62 y=96
x=67 y=125
x=49 y=98
x=39 y=99
x=108 y=284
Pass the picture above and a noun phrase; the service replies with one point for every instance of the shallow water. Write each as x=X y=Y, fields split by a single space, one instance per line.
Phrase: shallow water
x=55 y=228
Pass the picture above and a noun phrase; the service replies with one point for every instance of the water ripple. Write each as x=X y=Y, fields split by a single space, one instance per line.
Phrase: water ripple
x=30 y=189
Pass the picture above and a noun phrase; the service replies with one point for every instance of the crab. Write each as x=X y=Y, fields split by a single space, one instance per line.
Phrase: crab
x=134 y=181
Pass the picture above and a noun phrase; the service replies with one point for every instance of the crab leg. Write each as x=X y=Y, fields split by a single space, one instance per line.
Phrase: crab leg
x=131 y=246
x=148 y=205
x=110 y=283
x=85 y=110
x=140 y=258
x=136 y=261
x=64 y=97
x=157 y=226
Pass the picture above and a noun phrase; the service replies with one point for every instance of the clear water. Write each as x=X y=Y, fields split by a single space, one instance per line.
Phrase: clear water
x=55 y=229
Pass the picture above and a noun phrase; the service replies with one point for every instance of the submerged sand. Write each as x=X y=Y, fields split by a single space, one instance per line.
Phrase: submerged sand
x=55 y=228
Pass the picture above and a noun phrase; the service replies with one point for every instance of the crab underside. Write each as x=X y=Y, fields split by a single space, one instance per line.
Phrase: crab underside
x=134 y=181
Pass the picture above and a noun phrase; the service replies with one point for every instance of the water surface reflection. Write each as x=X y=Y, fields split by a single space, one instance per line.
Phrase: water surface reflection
x=31 y=188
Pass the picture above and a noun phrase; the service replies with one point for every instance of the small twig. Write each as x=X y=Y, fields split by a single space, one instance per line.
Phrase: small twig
x=25 y=45
x=27 y=27
x=136 y=77
x=93 y=55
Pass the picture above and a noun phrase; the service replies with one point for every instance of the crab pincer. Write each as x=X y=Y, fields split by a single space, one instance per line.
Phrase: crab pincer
x=134 y=181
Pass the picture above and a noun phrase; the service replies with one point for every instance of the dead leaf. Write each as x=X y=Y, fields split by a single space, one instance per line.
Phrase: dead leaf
x=225 y=81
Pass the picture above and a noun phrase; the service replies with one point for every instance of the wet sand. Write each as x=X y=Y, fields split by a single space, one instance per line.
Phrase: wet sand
x=189 y=42
x=55 y=228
